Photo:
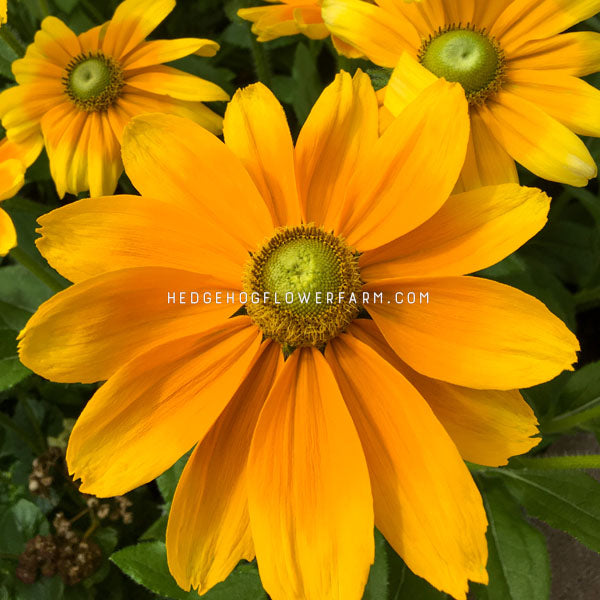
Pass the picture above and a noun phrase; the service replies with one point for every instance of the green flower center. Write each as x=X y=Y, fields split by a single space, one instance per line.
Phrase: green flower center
x=93 y=82
x=466 y=56
x=303 y=286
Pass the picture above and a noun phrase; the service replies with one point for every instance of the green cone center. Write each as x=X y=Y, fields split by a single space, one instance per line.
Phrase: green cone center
x=93 y=82
x=463 y=56
x=302 y=269
x=303 y=286
x=90 y=78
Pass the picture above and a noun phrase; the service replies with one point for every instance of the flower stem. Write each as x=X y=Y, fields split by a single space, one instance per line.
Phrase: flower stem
x=11 y=40
x=574 y=418
x=586 y=461
x=23 y=258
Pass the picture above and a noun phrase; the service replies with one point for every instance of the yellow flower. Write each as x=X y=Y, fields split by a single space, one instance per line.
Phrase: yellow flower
x=520 y=74
x=290 y=17
x=14 y=160
x=80 y=91
x=3 y=11
x=296 y=460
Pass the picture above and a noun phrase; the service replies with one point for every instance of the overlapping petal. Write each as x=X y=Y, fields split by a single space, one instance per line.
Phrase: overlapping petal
x=101 y=323
x=389 y=194
x=482 y=334
x=339 y=134
x=309 y=495
x=256 y=130
x=161 y=151
x=487 y=426
x=125 y=434
x=426 y=504
x=98 y=235
x=471 y=231
x=209 y=524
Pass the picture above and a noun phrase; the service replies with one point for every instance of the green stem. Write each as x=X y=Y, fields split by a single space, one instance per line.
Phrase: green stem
x=262 y=65
x=92 y=11
x=575 y=418
x=586 y=461
x=10 y=424
x=41 y=440
x=11 y=39
x=44 y=8
x=22 y=257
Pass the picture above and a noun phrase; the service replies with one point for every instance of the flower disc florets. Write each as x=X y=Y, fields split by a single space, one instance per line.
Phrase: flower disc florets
x=303 y=286
x=467 y=56
x=93 y=82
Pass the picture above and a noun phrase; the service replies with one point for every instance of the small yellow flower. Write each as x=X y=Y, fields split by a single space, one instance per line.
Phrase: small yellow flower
x=3 y=11
x=80 y=91
x=290 y=17
x=519 y=72
x=14 y=160
x=367 y=421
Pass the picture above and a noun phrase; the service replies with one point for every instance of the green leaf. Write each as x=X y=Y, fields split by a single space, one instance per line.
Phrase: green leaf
x=167 y=482
x=308 y=83
x=566 y=500
x=377 y=585
x=11 y=369
x=19 y=524
x=43 y=589
x=518 y=565
x=146 y=564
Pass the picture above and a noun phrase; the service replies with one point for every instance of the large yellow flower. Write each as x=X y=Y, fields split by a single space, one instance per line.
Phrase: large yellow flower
x=14 y=160
x=80 y=91
x=520 y=74
x=367 y=422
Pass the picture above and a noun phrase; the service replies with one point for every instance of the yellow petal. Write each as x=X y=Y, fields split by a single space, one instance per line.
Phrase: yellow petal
x=66 y=136
x=57 y=42
x=571 y=101
x=12 y=172
x=91 y=40
x=104 y=164
x=380 y=35
x=209 y=525
x=411 y=170
x=160 y=79
x=310 y=22
x=471 y=231
x=132 y=22
x=311 y=510
x=26 y=152
x=525 y=20
x=88 y=331
x=180 y=162
x=426 y=503
x=8 y=235
x=270 y=22
x=407 y=81
x=340 y=132
x=157 y=406
x=473 y=332
x=256 y=130
x=576 y=53
x=136 y=102
x=487 y=426
x=487 y=162
x=163 y=51
x=537 y=141
x=94 y=236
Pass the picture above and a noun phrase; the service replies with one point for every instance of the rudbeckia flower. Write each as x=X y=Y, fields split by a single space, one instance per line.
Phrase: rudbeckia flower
x=368 y=420
x=520 y=74
x=290 y=17
x=14 y=160
x=80 y=91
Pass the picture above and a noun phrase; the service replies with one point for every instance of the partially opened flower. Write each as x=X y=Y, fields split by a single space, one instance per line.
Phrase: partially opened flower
x=14 y=160
x=290 y=17
x=367 y=422
x=519 y=72
x=80 y=91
